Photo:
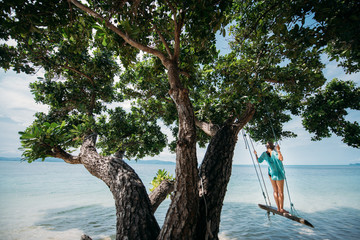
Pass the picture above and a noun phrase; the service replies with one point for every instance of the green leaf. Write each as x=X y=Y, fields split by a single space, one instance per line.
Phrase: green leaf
x=161 y=175
x=104 y=42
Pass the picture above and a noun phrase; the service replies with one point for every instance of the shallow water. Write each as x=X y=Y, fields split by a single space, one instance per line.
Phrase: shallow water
x=59 y=201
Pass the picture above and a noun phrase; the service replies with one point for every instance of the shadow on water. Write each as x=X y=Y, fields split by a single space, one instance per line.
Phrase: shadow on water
x=97 y=221
x=238 y=221
x=248 y=221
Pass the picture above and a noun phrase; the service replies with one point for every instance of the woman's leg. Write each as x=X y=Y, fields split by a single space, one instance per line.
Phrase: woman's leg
x=276 y=193
x=280 y=188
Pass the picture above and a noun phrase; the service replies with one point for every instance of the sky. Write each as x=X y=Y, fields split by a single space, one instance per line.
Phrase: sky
x=17 y=109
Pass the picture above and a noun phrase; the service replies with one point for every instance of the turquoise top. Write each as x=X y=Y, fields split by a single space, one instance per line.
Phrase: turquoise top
x=276 y=168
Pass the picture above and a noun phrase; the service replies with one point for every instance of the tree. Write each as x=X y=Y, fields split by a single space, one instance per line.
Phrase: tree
x=180 y=80
x=78 y=83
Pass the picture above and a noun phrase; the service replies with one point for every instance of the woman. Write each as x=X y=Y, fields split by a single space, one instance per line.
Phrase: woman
x=276 y=172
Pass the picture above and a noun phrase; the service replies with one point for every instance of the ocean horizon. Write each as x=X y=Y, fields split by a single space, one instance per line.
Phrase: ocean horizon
x=162 y=162
x=55 y=200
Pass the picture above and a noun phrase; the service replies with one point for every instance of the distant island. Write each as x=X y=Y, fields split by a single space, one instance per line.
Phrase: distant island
x=153 y=162
x=18 y=159
x=354 y=164
x=11 y=159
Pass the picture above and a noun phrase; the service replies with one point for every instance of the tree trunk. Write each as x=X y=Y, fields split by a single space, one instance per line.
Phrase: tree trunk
x=135 y=219
x=215 y=172
x=182 y=215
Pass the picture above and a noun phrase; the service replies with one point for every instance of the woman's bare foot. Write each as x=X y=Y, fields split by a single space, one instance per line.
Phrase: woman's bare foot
x=283 y=211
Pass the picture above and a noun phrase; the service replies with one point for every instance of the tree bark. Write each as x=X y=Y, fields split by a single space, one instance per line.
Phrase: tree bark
x=85 y=237
x=182 y=214
x=208 y=128
x=135 y=219
x=160 y=193
x=215 y=172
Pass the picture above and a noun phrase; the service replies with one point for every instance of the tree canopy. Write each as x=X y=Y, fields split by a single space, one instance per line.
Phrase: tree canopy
x=274 y=63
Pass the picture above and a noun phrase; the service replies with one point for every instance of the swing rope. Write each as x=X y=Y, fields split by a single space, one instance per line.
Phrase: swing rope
x=257 y=174
x=262 y=176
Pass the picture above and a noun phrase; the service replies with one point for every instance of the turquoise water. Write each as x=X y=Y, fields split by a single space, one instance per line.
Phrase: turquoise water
x=53 y=200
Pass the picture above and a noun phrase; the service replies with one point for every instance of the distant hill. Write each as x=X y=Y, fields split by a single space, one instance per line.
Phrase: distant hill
x=9 y=159
x=355 y=164
x=18 y=159
x=154 y=162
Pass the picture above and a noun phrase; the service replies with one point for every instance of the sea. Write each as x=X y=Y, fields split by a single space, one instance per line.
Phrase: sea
x=59 y=201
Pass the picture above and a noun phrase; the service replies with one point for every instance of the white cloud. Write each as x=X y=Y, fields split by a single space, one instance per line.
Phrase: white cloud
x=9 y=140
x=17 y=109
x=17 y=102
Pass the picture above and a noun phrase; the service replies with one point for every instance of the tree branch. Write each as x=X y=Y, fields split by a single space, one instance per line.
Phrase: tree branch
x=209 y=128
x=172 y=8
x=123 y=35
x=79 y=72
x=160 y=192
x=245 y=117
x=92 y=104
x=58 y=152
x=186 y=74
x=178 y=26
x=163 y=41
x=69 y=68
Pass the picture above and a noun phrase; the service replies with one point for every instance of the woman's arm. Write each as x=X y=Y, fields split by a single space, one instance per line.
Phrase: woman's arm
x=279 y=153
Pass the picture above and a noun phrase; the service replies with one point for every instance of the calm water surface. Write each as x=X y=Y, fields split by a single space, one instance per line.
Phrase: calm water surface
x=52 y=200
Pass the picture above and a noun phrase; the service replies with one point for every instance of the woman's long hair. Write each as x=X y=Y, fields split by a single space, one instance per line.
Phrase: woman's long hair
x=270 y=145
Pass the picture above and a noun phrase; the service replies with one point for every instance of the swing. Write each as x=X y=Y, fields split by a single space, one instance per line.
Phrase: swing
x=293 y=214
